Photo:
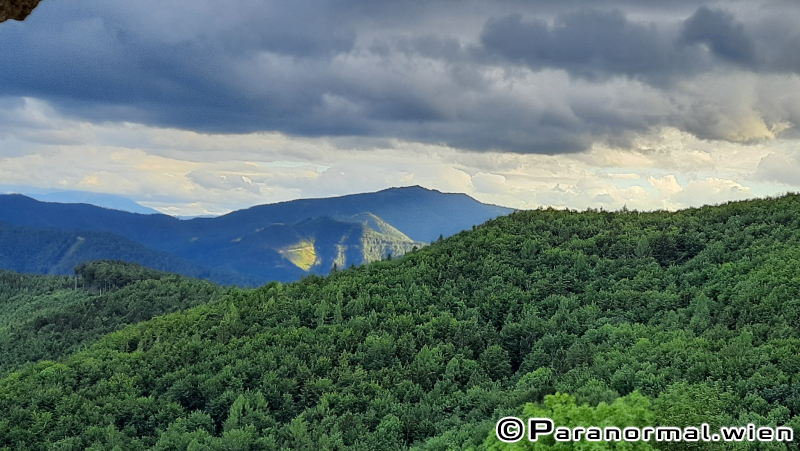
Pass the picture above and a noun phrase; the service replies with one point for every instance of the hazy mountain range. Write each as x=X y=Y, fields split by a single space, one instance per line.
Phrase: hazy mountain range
x=279 y=241
x=104 y=200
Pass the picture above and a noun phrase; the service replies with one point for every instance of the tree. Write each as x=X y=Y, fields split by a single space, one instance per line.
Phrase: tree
x=631 y=410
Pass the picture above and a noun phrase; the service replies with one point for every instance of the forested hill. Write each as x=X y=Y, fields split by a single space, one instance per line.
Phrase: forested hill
x=281 y=241
x=49 y=317
x=655 y=318
x=54 y=251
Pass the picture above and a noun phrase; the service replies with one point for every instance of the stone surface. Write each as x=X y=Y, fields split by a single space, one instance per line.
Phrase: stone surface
x=16 y=9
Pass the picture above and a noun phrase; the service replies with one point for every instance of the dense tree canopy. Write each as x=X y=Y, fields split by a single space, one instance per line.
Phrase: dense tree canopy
x=684 y=318
x=48 y=317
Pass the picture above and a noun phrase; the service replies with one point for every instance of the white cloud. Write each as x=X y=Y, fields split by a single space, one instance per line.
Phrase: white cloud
x=222 y=182
x=666 y=185
x=779 y=167
x=188 y=173
x=711 y=191
x=490 y=183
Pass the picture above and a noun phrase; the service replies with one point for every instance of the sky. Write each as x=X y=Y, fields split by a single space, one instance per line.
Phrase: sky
x=196 y=107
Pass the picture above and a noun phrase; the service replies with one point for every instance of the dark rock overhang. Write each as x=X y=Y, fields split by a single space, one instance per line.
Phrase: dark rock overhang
x=16 y=9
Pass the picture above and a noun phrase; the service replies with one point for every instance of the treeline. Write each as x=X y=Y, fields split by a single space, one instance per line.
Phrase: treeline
x=113 y=274
x=664 y=318
x=47 y=317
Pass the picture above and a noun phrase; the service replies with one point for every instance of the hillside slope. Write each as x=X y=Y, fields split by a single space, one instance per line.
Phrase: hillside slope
x=58 y=252
x=286 y=252
x=692 y=317
x=48 y=317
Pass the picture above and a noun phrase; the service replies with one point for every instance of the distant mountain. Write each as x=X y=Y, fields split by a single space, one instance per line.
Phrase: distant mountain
x=270 y=242
x=110 y=201
x=422 y=214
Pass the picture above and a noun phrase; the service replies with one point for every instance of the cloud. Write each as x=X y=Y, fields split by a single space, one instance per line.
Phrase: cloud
x=490 y=183
x=604 y=198
x=720 y=31
x=666 y=185
x=586 y=42
x=548 y=78
x=711 y=191
x=780 y=168
x=185 y=172
x=224 y=182
x=189 y=173
x=34 y=121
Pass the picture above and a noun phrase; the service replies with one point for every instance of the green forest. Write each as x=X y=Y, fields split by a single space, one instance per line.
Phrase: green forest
x=49 y=317
x=623 y=318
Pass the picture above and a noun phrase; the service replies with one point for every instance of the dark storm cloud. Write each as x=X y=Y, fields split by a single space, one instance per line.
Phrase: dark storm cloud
x=548 y=77
x=585 y=42
x=595 y=43
x=721 y=32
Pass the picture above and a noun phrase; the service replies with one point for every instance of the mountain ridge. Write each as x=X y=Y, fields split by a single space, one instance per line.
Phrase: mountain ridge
x=257 y=243
x=393 y=205
x=109 y=201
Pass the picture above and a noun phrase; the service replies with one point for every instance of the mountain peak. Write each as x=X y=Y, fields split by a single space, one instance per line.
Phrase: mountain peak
x=410 y=189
